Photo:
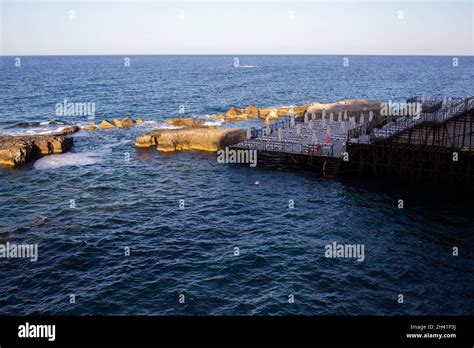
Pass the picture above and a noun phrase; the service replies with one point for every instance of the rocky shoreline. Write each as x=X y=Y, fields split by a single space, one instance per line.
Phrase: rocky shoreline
x=16 y=150
x=190 y=133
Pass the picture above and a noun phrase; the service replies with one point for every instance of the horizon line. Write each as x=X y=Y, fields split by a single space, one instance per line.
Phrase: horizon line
x=236 y=54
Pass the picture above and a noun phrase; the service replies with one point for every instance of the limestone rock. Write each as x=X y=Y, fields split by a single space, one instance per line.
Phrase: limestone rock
x=106 y=124
x=353 y=107
x=147 y=140
x=117 y=123
x=70 y=129
x=233 y=112
x=251 y=110
x=273 y=114
x=90 y=126
x=17 y=150
x=127 y=122
x=186 y=122
x=200 y=138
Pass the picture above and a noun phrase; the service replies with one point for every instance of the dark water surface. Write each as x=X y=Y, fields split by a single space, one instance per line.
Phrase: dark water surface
x=135 y=203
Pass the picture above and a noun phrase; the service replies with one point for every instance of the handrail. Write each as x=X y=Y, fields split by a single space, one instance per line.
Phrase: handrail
x=438 y=116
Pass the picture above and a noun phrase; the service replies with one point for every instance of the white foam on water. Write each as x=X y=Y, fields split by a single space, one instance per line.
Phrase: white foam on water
x=246 y=66
x=36 y=131
x=67 y=159
x=77 y=159
x=214 y=123
x=157 y=125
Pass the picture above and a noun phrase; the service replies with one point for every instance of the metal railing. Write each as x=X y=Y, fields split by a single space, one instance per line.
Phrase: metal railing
x=402 y=124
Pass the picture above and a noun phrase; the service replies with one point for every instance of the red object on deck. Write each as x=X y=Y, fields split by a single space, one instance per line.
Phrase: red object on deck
x=318 y=149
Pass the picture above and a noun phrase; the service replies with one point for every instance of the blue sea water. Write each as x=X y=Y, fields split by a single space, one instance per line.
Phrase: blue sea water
x=135 y=203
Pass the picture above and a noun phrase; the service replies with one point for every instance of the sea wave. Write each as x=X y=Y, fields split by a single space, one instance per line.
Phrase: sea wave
x=214 y=123
x=38 y=123
x=77 y=159
x=67 y=159
x=35 y=131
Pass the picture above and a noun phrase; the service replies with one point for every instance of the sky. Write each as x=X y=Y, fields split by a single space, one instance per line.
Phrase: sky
x=349 y=27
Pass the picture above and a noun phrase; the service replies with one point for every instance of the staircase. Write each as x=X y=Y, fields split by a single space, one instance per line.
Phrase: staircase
x=331 y=167
x=403 y=124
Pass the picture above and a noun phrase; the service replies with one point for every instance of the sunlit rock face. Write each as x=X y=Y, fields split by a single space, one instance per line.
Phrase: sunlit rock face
x=18 y=150
x=116 y=123
x=184 y=122
x=199 y=138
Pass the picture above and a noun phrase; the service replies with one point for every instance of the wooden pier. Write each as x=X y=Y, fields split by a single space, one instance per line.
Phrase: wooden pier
x=438 y=146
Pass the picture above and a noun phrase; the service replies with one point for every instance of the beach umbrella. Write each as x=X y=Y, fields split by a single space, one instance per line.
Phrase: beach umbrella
x=323 y=114
x=343 y=127
x=249 y=133
x=298 y=129
x=345 y=115
x=292 y=120
x=280 y=134
x=268 y=131
x=331 y=118
x=339 y=117
x=313 y=115
x=371 y=115
x=361 y=119
x=314 y=138
x=328 y=135
x=305 y=117
x=311 y=124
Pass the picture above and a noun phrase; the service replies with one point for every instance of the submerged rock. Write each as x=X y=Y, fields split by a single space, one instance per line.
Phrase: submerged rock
x=70 y=129
x=17 y=150
x=199 y=138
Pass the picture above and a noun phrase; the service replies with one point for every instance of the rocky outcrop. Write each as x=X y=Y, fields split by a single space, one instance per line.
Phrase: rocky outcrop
x=90 y=126
x=116 y=123
x=70 y=130
x=185 y=122
x=353 y=107
x=252 y=112
x=200 y=138
x=17 y=150
x=106 y=124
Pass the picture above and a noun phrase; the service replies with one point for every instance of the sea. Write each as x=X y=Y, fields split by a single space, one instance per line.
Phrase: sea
x=127 y=231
